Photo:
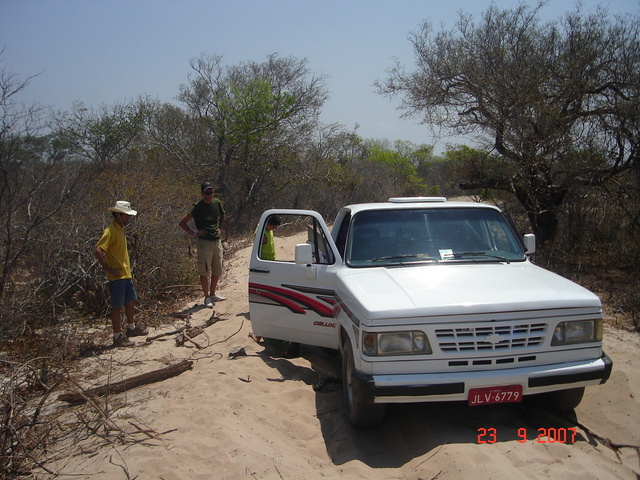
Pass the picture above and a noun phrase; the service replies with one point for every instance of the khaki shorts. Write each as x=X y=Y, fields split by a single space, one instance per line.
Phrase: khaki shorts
x=209 y=257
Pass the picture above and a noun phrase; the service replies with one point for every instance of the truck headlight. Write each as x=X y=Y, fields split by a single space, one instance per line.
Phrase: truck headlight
x=395 y=343
x=577 y=331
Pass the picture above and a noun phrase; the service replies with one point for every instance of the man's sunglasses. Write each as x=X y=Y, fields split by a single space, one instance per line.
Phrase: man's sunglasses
x=208 y=192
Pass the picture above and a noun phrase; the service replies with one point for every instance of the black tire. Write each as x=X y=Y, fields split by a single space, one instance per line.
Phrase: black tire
x=563 y=400
x=360 y=412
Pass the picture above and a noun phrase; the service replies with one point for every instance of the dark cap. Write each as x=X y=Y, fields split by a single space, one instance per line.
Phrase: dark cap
x=205 y=185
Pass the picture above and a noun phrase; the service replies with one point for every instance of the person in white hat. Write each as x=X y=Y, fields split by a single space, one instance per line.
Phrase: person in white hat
x=113 y=255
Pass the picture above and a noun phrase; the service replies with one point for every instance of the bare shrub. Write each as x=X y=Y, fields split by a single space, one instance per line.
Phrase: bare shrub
x=37 y=436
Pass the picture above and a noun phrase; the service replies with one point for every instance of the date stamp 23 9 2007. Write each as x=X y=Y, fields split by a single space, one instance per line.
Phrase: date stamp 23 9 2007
x=544 y=435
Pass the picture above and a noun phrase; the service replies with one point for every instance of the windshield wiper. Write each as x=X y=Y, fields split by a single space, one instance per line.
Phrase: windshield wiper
x=420 y=256
x=461 y=255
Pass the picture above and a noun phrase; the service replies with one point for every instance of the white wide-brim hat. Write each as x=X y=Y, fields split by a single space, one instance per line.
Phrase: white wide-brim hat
x=123 y=207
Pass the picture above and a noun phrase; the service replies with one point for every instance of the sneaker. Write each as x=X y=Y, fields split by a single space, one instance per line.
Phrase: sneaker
x=217 y=298
x=208 y=302
x=122 y=341
x=136 y=332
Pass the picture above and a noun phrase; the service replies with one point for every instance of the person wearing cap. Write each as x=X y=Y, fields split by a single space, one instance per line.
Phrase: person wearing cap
x=208 y=216
x=113 y=255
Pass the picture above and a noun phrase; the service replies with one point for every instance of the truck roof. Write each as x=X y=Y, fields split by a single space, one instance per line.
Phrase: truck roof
x=396 y=203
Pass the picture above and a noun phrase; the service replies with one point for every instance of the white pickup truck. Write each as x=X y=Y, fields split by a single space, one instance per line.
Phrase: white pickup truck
x=428 y=300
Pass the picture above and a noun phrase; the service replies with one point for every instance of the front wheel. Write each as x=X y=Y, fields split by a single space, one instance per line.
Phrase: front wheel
x=361 y=412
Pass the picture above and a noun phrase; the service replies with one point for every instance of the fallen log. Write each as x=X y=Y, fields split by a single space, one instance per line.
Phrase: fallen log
x=127 y=384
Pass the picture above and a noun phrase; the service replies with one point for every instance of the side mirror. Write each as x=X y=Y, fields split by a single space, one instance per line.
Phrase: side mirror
x=530 y=243
x=304 y=254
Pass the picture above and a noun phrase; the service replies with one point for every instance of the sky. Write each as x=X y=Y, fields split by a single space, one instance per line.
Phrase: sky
x=103 y=52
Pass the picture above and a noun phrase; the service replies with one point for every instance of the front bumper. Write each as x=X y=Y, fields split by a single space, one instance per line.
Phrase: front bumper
x=455 y=386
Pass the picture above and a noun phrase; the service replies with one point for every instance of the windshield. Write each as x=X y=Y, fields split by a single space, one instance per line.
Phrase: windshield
x=392 y=237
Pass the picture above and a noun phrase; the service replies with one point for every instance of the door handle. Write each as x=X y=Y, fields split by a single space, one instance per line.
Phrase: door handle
x=259 y=270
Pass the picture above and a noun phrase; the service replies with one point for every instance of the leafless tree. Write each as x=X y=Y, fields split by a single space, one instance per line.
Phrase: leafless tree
x=182 y=138
x=99 y=135
x=559 y=102
x=36 y=181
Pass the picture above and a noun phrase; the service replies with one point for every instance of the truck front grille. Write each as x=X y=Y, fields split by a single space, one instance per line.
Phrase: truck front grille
x=490 y=337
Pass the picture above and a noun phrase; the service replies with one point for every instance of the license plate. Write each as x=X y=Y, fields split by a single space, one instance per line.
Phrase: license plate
x=487 y=395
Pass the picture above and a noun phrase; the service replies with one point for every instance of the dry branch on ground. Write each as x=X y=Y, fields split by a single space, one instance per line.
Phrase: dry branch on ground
x=128 y=384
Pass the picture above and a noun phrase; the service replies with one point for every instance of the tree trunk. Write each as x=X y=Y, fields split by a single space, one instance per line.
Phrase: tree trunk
x=542 y=210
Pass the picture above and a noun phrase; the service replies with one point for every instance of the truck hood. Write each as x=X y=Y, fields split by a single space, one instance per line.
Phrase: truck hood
x=445 y=289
